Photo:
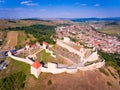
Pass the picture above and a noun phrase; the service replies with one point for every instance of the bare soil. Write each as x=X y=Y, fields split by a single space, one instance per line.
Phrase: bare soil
x=83 y=80
x=11 y=39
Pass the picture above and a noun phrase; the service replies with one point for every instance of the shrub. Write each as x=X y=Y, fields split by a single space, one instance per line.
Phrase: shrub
x=112 y=73
x=109 y=84
x=14 y=81
x=49 y=82
x=104 y=71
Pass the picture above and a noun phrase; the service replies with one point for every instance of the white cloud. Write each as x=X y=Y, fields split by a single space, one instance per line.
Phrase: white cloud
x=25 y=2
x=83 y=4
x=96 y=5
x=29 y=3
x=32 y=4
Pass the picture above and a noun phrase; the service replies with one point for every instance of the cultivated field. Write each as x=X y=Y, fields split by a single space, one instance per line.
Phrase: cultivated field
x=111 y=29
x=11 y=40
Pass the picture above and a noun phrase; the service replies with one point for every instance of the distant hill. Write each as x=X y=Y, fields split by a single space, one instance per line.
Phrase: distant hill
x=95 y=19
x=112 y=23
x=30 y=21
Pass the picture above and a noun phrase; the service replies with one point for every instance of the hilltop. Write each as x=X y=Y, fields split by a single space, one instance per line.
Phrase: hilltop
x=14 y=34
x=28 y=22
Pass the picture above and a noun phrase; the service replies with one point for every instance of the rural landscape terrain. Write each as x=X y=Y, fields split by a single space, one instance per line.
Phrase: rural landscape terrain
x=59 y=45
x=15 y=34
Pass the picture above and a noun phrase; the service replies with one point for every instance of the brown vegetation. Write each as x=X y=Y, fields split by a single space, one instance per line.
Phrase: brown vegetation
x=11 y=39
x=87 y=80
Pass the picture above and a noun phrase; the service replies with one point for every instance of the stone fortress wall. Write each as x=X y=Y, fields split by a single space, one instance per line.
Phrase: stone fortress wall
x=81 y=55
x=26 y=60
x=57 y=68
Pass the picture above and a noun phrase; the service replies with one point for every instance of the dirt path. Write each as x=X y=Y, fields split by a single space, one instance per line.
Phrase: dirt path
x=11 y=39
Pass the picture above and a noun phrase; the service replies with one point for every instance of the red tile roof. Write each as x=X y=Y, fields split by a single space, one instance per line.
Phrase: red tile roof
x=45 y=43
x=32 y=46
x=36 y=64
x=27 y=44
x=37 y=43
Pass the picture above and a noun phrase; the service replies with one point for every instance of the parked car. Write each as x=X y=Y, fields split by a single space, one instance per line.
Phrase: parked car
x=3 y=65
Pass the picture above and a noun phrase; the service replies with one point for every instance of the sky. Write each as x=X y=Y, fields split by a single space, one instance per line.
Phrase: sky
x=59 y=8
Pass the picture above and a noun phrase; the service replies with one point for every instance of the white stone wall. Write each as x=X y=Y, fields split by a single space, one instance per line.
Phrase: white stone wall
x=20 y=59
x=28 y=61
x=52 y=65
x=55 y=70
x=66 y=39
x=93 y=57
x=51 y=53
x=44 y=46
x=35 y=71
x=93 y=66
x=71 y=71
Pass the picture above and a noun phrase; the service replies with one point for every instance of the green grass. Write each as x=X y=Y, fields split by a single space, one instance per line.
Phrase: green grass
x=3 y=37
x=15 y=66
x=16 y=75
x=45 y=57
x=14 y=81
x=21 y=37
x=21 y=66
x=110 y=59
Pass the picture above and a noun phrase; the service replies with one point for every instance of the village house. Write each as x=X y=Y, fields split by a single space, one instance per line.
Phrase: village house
x=45 y=45
x=37 y=44
x=27 y=46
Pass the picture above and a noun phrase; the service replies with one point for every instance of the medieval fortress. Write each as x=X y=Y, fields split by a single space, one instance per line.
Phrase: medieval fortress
x=82 y=58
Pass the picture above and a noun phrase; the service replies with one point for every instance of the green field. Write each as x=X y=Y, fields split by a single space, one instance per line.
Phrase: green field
x=15 y=66
x=14 y=76
x=112 y=30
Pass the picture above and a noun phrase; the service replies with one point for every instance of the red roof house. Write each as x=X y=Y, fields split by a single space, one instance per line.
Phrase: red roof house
x=45 y=45
x=27 y=46
x=36 y=64
x=32 y=46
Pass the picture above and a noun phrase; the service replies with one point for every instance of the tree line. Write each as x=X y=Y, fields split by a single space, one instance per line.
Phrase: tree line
x=40 y=32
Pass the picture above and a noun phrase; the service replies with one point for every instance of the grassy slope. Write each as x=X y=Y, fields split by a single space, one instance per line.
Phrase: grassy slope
x=91 y=79
x=113 y=29
x=24 y=38
x=19 y=23
x=45 y=57
x=15 y=66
